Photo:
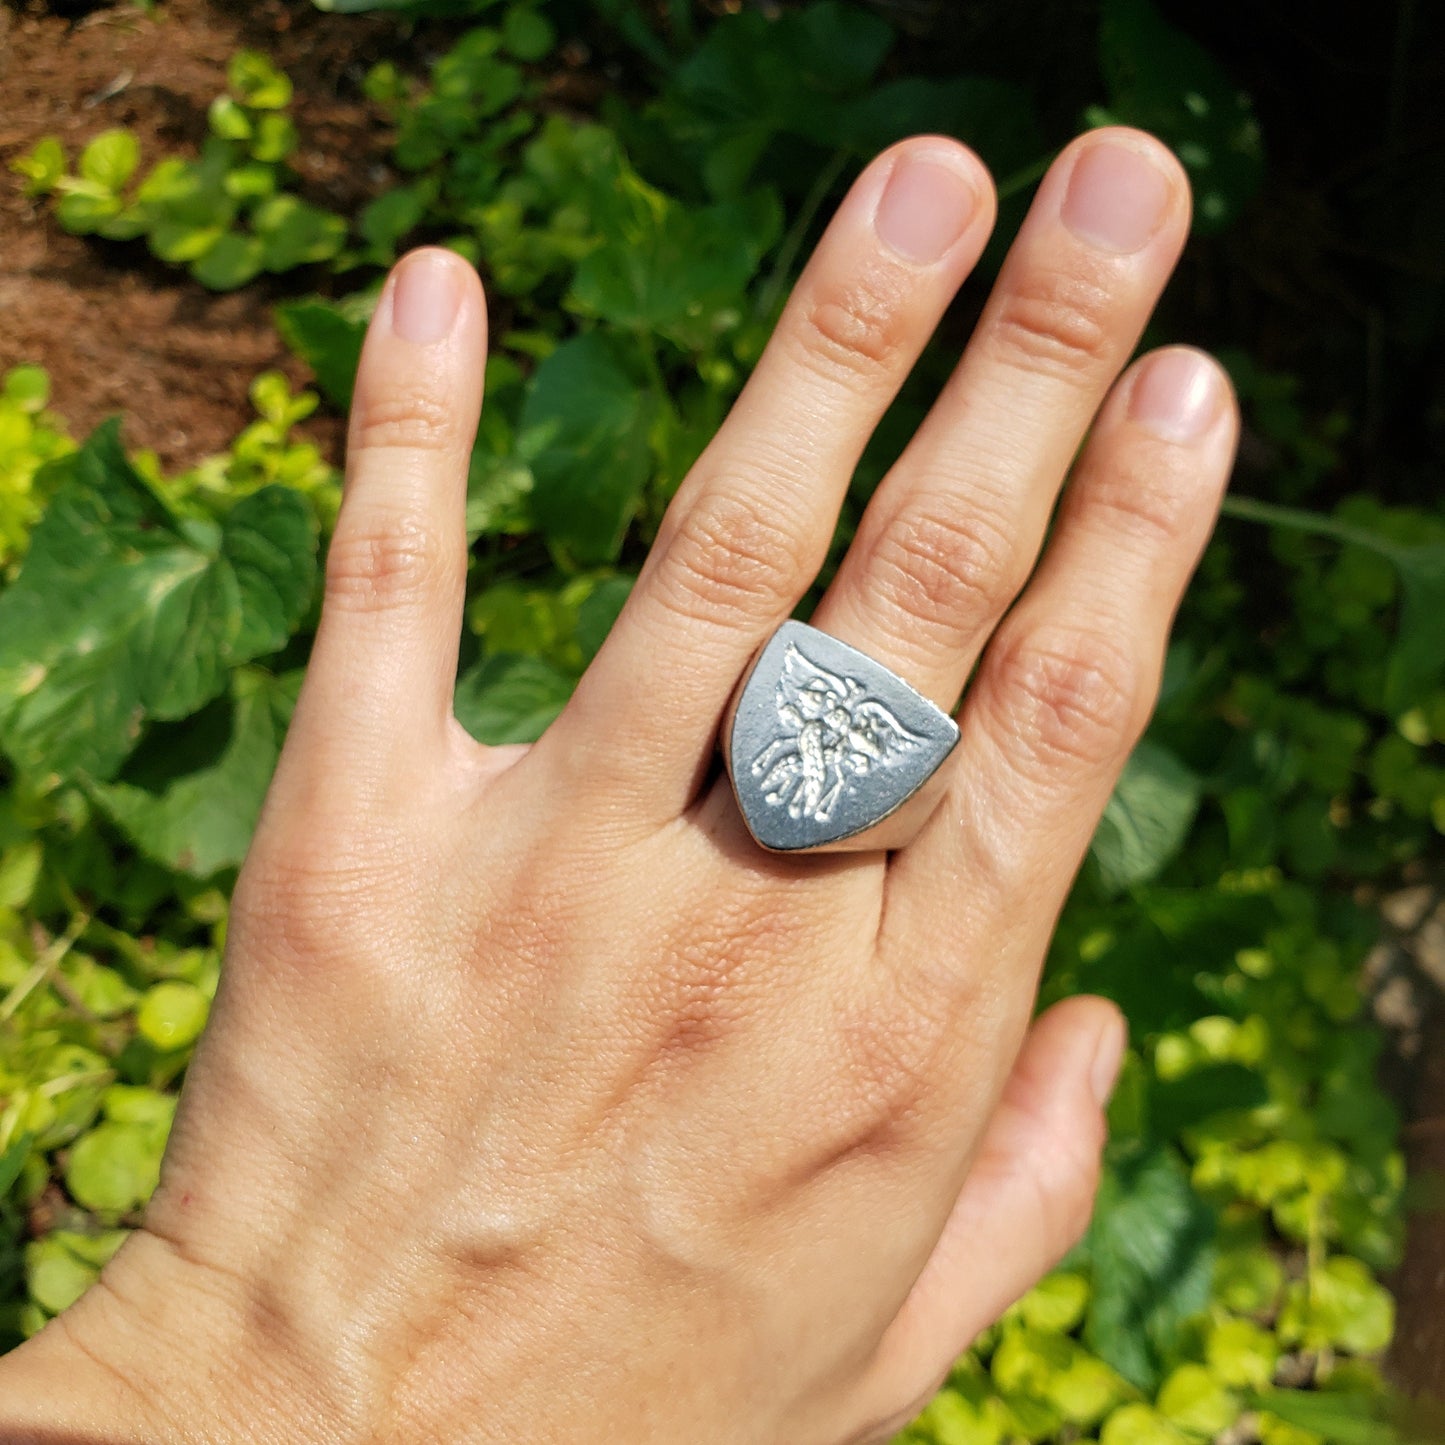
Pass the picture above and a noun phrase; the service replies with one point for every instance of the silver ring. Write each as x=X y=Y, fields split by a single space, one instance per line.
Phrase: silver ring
x=829 y=751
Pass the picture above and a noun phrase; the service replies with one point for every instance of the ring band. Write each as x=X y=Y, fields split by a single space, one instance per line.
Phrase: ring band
x=828 y=750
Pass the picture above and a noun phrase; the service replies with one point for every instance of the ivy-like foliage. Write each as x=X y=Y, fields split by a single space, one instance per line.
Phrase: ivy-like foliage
x=1253 y=1188
x=226 y=216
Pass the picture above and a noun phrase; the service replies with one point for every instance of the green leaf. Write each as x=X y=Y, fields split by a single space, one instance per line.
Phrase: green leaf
x=196 y=814
x=385 y=85
x=255 y=82
x=1241 y=1354
x=274 y=137
x=1058 y=1372
x=172 y=1015
x=1147 y=820
x=85 y=207
x=234 y=260
x=270 y=394
x=497 y=492
x=393 y=214
x=1056 y=1303
x=1248 y=1279
x=1343 y=1419
x=228 y=119
x=599 y=610
x=55 y=1273
x=122 y=613
x=19 y=873
x=1163 y=81
x=756 y=78
x=135 y=1104
x=42 y=165
x=251 y=181
x=328 y=341
x=1150 y=1247
x=1179 y=1104
x=1338 y=1305
x=26 y=388
x=584 y=426
x=115 y=1167
x=180 y=242
x=110 y=159
x=526 y=34
x=101 y=990
x=1417 y=660
x=12 y=1161
x=1197 y=1402
x=1138 y=1424
x=673 y=269
x=294 y=233
x=996 y=117
x=186 y=198
x=125 y=225
x=510 y=698
x=952 y=1418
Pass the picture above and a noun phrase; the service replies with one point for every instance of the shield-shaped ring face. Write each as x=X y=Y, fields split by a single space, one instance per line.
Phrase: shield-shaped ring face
x=825 y=747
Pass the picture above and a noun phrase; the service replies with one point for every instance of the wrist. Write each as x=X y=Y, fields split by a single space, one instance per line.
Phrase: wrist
x=152 y=1353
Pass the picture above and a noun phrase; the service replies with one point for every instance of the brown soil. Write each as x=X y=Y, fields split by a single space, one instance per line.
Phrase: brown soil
x=117 y=330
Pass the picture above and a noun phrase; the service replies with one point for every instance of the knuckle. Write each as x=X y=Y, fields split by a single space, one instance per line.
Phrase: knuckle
x=1073 y=1208
x=853 y=329
x=405 y=417
x=374 y=566
x=1073 y=697
x=938 y=564
x=893 y=1052
x=1143 y=504
x=1053 y=323
x=306 y=903
x=1064 y=1194
x=734 y=553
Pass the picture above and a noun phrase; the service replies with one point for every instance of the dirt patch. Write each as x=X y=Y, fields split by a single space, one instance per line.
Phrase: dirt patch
x=118 y=331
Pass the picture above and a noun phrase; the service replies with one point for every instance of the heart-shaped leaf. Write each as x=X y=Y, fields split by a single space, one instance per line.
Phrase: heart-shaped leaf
x=124 y=612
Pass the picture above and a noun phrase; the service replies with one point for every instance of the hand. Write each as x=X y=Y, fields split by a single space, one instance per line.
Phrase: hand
x=538 y=1101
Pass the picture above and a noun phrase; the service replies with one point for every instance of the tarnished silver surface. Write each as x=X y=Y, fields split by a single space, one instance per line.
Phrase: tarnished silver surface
x=828 y=749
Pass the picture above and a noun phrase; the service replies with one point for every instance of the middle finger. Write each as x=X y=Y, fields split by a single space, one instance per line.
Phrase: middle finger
x=749 y=528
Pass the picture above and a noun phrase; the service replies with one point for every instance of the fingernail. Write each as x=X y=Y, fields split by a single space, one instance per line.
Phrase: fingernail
x=1116 y=197
x=925 y=208
x=1177 y=395
x=1108 y=1058
x=426 y=296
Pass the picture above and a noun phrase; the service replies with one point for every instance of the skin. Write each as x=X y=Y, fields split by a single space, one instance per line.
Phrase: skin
x=538 y=1101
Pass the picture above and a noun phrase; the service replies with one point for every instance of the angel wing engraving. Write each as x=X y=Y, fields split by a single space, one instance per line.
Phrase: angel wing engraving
x=831 y=733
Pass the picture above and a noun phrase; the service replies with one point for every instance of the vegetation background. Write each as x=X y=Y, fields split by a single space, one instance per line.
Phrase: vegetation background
x=201 y=201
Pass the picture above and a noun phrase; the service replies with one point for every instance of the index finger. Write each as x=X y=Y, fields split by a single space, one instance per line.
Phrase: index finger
x=378 y=690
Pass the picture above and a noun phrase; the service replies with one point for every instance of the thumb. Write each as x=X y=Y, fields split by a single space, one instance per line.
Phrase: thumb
x=1025 y=1203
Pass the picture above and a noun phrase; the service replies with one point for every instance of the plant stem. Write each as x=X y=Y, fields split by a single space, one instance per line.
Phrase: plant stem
x=40 y=970
x=828 y=177
x=1269 y=514
x=1025 y=177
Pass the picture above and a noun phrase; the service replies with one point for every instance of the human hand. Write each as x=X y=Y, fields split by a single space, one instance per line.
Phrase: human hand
x=538 y=1101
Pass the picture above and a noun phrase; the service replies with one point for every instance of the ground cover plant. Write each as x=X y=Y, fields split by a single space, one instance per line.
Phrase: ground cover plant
x=153 y=628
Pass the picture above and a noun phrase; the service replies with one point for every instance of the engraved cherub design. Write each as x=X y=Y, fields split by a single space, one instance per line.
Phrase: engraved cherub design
x=833 y=733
